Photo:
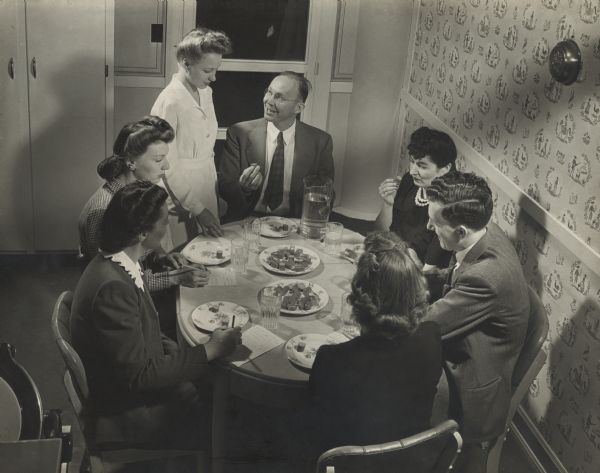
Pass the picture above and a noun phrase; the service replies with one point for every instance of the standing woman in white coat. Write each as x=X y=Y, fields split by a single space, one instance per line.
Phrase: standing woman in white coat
x=186 y=103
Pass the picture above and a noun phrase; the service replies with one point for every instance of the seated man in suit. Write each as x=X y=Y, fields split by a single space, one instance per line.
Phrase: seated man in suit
x=483 y=312
x=265 y=160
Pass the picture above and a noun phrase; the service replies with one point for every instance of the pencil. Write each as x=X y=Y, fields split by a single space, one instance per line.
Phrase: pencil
x=233 y=322
x=182 y=270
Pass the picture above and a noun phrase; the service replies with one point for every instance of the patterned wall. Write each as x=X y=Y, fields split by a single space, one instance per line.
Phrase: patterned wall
x=481 y=66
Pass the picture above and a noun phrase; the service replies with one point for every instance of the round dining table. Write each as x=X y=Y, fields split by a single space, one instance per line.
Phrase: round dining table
x=270 y=378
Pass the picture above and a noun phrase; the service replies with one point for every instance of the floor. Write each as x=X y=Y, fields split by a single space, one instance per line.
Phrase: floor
x=29 y=286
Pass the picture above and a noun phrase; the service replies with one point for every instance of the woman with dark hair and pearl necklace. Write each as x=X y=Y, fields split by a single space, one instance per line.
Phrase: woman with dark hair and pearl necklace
x=432 y=153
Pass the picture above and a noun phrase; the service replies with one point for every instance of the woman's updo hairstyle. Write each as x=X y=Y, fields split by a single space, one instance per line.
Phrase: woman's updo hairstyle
x=201 y=41
x=389 y=293
x=134 y=209
x=132 y=141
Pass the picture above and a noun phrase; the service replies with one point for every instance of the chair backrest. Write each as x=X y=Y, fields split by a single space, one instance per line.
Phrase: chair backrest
x=431 y=451
x=19 y=400
x=76 y=386
x=528 y=365
x=537 y=330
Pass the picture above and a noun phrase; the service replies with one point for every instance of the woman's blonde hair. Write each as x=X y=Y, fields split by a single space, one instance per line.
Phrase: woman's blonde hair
x=201 y=41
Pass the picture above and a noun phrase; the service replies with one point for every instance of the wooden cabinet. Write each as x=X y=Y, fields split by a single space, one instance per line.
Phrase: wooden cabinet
x=53 y=117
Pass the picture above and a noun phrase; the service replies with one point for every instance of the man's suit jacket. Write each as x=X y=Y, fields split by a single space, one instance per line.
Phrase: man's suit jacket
x=135 y=373
x=246 y=144
x=483 y=316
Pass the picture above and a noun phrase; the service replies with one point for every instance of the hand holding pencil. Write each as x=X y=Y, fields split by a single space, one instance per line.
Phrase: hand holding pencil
x=190 y=275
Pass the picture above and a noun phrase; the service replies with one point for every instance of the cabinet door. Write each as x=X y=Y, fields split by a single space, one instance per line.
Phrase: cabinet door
x=16 y=217
x=139 y=37
x=66 y=49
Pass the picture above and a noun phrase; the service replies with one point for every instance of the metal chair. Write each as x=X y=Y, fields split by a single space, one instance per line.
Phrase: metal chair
x=24 y=425
x=528 y=365
x=431 y=451
x=20 y=403
x=97 y=460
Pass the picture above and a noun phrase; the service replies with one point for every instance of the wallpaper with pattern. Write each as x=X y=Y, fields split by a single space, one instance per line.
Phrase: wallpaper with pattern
x=482 y=67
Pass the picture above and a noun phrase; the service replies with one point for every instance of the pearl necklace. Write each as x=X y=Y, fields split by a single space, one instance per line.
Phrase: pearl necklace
x=421 y=197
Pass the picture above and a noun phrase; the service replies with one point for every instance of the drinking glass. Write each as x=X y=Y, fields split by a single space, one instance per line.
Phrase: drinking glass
x=252 y=231
x=270 y=306
x=349 y=327
x=333 y=238
x=239 y=254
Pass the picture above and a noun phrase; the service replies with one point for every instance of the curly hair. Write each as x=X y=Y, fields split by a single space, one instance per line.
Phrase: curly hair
x=201 y=41
x=466 y=199
x=132 y=141
x=389 y=293
x=134 y=209
x=433 y=143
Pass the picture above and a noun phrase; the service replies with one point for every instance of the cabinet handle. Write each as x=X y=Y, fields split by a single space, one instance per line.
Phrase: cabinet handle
x=34 y=68
x=11 y=68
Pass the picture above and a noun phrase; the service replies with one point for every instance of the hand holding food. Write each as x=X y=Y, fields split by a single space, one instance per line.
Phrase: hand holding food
x=251 y=178
x=388 y=189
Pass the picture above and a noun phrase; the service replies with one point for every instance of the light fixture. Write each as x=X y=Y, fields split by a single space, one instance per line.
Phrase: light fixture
x=565 y=62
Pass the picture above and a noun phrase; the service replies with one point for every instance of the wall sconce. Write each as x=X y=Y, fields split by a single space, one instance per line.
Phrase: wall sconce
x=565 y=62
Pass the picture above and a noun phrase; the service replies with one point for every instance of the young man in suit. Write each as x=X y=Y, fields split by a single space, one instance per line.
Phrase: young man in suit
x=265 y=161
x=483 y=312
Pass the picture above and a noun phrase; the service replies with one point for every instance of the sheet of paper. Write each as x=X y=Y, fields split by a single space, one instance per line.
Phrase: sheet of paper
x=222 y=277
x=338 y=337
x=255 y=341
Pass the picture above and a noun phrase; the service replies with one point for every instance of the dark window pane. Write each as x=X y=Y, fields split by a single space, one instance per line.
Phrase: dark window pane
x=259 y=29
x=238 y=95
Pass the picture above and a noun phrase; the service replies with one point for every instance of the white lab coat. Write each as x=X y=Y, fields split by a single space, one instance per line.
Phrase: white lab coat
x=192 y=176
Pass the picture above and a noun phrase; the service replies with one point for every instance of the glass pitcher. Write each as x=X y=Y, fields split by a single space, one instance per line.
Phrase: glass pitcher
x=316 y=205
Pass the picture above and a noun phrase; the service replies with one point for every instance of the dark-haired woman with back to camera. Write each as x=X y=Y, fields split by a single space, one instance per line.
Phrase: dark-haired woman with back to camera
x=380 y=386
x=140 y=390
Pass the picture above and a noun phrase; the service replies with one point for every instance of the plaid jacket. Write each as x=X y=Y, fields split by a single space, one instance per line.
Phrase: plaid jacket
x=89 y=233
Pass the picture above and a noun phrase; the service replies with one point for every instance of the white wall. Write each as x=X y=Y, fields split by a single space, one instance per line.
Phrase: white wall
x=380 y=61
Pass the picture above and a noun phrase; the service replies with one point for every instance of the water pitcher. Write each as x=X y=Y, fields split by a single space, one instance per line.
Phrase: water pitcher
x=316 y=205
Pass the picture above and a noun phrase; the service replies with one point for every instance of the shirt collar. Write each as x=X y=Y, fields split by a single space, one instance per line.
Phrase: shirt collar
x=182 y=91
x=460 y=255
x=132 y=268
x=273 y=132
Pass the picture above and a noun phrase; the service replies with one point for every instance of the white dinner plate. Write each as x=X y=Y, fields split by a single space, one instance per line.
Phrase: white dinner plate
x=302 y=349
x=352 y=252
x=207 y=251
x=276 y=227
x=273 y=253
x=213 y=315
x=318 y=291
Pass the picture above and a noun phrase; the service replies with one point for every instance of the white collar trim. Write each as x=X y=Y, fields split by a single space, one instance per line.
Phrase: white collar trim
x=132 y=268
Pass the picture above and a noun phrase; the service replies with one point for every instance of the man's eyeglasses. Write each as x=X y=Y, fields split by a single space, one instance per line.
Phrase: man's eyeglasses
x=277 y=97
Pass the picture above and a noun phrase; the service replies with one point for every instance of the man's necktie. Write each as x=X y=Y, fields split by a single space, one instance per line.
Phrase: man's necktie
x=274 y=191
